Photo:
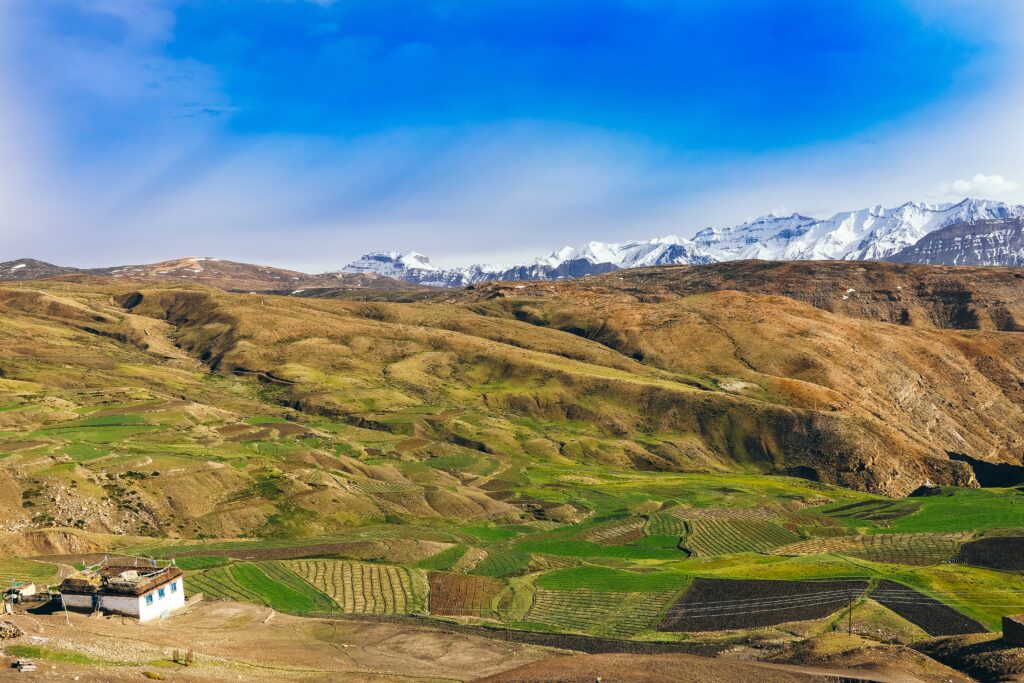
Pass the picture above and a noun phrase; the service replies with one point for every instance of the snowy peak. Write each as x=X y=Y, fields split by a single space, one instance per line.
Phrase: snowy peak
x=388 y=262
x=873 y=233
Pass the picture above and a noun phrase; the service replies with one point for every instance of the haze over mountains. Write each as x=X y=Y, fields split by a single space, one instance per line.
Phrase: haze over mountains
x=974 y=232
x=870 y=234
x=215 y=272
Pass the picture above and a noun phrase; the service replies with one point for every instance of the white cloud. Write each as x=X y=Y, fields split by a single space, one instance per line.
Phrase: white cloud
x=981 y=185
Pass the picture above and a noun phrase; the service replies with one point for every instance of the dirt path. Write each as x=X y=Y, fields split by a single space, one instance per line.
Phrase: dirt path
x=672 y=668
x=237 y=642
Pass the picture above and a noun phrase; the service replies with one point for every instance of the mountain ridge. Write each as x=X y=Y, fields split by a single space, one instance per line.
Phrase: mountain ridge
x=221 y=273
x=993 y=242
x=870 y=234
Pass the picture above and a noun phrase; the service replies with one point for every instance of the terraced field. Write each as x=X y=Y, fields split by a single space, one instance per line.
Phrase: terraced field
x=933 y=617
x=13 y=569
x=908 y=549
x=709 y=537
x=758 y=514
x=881 y=512
x=612 y=614
x=221 y=583
x=502 y=562
x=724 y=604
x=363 y=588
x=265 y=583
x=461 y=595
x=619 y=533
x=665 y=524
x=444 y=559
x=997 y=552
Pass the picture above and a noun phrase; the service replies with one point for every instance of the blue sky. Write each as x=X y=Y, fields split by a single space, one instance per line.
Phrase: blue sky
x=304 y=133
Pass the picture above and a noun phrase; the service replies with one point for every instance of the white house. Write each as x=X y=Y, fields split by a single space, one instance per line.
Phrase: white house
x=20 y=590
x=141 y=592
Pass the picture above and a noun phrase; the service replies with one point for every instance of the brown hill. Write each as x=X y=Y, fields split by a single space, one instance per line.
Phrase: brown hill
x=31 y=269
x=724 y=379
x=957 y=297
x=137 y=406
x=220 y=273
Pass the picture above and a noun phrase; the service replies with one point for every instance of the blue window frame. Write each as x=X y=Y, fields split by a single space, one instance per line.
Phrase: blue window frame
x=161 y=592
x=149 y=599
x=174 y=586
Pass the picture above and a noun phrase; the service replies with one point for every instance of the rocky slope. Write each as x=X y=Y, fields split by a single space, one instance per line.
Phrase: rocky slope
x=987 y=298
x=993 y=242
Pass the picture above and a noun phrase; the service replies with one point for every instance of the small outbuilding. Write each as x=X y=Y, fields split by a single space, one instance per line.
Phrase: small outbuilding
x=145 y=593
x=20 y=590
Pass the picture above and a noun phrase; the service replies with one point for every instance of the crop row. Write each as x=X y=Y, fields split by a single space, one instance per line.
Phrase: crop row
x=997 y=552
x=757 y=514
x=726 y=604
x=266 y=583
x=461 y=595
x=720 y=537
x=879 y=511
x=908 y=549
x=363 y=588
x=221 y=583
x=665 y=524
x=618 y=533
x=933 y=617
x=502 y=562
x=616 y=615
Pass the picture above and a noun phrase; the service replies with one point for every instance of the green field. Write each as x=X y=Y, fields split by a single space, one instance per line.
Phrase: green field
x=269 y=583
x=721 y=537
x=14 y=569
x=616 y=615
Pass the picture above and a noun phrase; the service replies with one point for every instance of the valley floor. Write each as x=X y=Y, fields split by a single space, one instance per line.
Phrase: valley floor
x=234 y=641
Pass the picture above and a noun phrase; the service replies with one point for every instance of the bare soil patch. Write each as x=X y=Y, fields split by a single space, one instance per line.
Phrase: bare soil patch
x=668 y=668
x=933 y=617
x=999 y=552
x=461 y=595
x=21 y=445
x=727 y=604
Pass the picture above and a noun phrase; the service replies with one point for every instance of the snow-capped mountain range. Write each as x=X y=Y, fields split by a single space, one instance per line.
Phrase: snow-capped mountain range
x=872 y=234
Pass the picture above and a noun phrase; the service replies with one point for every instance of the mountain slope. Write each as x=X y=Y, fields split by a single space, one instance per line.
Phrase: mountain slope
x=991 y=242
x=31 y=269
x=186 y=410
x=213 y=272
x=868 y=234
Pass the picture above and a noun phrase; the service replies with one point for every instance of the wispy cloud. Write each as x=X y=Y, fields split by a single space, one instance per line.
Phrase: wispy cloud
x=980 y=185
x=122 y=145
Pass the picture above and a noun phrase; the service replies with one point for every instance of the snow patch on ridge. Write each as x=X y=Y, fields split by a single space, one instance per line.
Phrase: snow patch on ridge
x=874 y=233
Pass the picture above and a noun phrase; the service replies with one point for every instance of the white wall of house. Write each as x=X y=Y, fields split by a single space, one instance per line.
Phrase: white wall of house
x=127 y=605
x=76 y=601
x=163 y=600
x=157 y=603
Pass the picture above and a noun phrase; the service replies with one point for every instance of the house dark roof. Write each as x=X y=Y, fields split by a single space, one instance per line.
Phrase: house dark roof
x=119 y=580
